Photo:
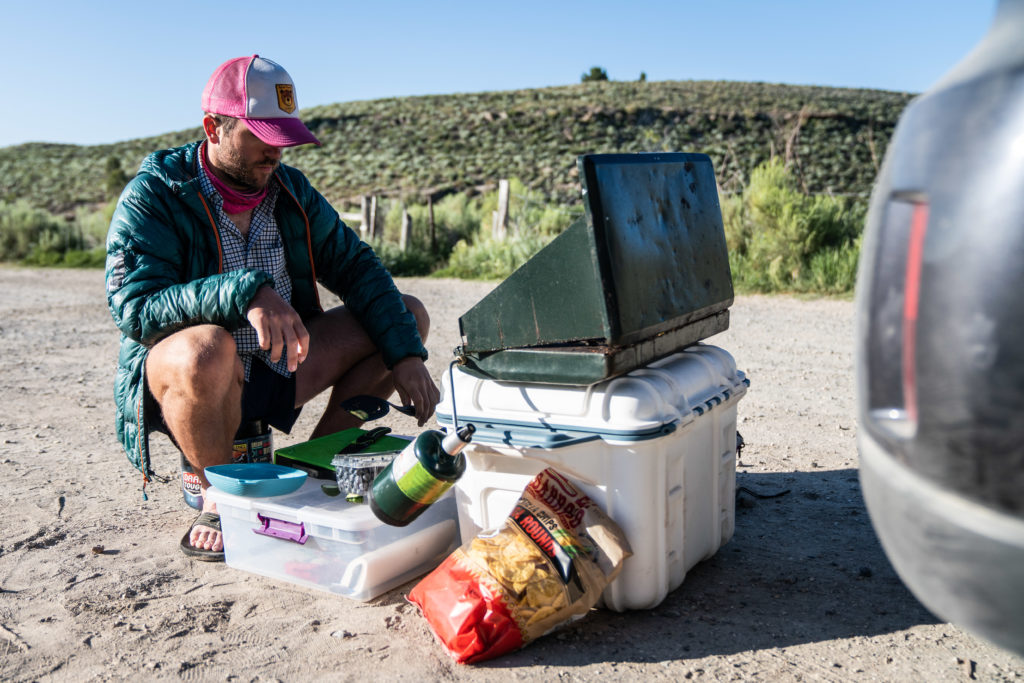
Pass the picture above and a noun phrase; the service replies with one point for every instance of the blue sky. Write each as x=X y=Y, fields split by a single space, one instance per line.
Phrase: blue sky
x=98 y=72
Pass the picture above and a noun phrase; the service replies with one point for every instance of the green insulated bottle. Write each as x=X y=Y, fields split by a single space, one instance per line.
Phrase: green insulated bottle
x=419 y=475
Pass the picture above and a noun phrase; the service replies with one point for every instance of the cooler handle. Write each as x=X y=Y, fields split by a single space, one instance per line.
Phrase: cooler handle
x=279 y=528
x=539 y=437
x=531 y=437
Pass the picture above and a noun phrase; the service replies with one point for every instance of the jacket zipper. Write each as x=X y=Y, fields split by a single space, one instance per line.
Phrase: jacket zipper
x=309 y=244
x=216 y=233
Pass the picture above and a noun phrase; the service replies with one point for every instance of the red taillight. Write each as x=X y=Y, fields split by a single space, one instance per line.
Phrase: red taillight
x=911 y=298
x=892 y=329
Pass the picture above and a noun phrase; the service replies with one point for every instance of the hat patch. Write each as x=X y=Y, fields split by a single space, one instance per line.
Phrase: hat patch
x=285 y=97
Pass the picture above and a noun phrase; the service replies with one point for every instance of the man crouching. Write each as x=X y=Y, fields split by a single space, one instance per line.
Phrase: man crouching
x=213 y=258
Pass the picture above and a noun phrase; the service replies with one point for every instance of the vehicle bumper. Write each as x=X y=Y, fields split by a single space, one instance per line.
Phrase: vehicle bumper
x=962 y=560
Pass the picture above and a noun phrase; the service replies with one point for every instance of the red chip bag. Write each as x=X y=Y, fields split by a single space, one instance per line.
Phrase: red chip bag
x=547 y=565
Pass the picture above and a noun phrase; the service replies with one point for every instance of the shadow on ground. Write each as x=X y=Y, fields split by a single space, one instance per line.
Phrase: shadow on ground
x=801 y=568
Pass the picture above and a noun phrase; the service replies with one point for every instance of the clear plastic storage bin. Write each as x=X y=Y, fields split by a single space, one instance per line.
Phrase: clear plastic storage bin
x=313 y=539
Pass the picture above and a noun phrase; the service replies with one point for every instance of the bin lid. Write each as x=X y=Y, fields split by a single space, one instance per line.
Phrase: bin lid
x=643 y=274
x=309 y=505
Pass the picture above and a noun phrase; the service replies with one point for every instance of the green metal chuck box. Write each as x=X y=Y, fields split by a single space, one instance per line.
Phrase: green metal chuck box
x=642 y=275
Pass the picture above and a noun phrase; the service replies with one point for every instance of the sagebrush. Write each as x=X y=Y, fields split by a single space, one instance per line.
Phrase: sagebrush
x=782 y=240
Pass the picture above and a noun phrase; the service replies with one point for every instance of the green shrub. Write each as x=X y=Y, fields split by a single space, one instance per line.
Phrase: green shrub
x=43 y=256
x=412 y=262
x=37 y=237
x=72 y=258
x=782 y=240
x=116 y=178
x=532 y=223
x=489 y=259
x=93 y=258
x=463 y=230
x=23 y=227
x=457 y=216
x=92 y=224
x=834 y=270
x=530 y=212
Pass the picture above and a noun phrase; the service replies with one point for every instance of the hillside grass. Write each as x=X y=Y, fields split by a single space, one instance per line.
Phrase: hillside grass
x=816 y=150
x=833 y=138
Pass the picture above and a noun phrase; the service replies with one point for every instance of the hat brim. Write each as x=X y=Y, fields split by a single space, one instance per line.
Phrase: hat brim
x=284 y=132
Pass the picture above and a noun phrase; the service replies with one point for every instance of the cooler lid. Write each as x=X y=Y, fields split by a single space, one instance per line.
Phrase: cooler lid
x=643 y=404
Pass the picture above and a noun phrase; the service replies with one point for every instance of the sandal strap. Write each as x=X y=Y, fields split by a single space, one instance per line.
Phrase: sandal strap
x=208 y=519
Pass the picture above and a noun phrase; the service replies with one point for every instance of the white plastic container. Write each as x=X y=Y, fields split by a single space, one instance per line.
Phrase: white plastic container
x=655 y=449
x=324 y=542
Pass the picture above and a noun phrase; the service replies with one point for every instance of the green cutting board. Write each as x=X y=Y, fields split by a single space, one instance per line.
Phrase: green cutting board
x=318 y=453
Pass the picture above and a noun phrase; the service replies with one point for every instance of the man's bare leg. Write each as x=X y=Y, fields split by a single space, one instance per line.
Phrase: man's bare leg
x=342 y=358
x=196 y=376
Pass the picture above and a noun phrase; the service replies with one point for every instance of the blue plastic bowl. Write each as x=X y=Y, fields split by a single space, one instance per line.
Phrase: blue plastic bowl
x=256 y=479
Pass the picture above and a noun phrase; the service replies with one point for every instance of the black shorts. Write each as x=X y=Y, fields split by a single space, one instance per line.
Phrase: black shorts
x=266 y=395
x=269 y=396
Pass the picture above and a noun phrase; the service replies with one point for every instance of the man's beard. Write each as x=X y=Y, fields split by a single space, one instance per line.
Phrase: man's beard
x=238 y=173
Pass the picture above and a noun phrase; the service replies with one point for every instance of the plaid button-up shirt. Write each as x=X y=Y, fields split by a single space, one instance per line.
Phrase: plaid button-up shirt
x=261 y=249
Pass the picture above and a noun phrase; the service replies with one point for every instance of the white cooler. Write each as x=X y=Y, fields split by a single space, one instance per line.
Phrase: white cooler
x=325 y=542
x=655 y=449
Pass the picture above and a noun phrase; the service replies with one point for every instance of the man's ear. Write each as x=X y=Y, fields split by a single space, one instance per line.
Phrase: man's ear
x=210 y=128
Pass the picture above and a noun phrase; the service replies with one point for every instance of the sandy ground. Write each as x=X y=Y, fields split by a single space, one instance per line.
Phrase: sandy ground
x=802 y=592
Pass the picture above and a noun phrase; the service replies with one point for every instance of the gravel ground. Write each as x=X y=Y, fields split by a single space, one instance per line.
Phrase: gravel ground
x=802 y=592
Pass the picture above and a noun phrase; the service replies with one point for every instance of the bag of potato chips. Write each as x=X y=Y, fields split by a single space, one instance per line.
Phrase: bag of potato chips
x=547 y=565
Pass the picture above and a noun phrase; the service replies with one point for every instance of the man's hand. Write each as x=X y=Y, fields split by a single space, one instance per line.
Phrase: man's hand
x=415 y=387
x=278 y=327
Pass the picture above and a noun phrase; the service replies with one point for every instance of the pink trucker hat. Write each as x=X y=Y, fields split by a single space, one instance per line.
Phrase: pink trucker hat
x=261 y=93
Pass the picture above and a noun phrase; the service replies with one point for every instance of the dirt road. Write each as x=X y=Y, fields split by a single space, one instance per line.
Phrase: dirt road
x=802 y=592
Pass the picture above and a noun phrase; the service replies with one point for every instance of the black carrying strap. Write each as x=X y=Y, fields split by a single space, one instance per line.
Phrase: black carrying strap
x=364 y=441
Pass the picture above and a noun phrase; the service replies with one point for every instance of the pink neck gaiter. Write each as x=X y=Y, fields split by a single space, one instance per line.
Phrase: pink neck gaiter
x=234 y=200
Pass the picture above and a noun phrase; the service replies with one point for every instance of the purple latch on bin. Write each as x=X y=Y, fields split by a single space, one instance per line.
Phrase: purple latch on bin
x=278 y=528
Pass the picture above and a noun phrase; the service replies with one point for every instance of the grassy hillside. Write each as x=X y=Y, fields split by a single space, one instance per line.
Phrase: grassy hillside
x=832 y=138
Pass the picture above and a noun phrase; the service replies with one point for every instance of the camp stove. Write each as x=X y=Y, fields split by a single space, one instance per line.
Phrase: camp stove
x=642 y=275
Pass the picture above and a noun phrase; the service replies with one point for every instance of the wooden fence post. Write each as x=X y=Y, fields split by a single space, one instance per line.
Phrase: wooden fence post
x=372 y=222
x=430 y=214
x=403 y=236
x=501 y=215
x=364 y=222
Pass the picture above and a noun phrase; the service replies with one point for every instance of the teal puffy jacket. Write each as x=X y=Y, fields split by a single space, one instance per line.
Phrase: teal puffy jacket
x=164 y=272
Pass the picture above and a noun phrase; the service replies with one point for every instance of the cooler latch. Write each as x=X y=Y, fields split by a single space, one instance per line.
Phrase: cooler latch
x=279 y=528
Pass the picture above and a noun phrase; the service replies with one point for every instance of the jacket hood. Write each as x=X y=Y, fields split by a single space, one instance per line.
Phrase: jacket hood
x=173 y=166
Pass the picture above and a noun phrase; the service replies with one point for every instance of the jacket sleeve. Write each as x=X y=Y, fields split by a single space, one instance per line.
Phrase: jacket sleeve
x=147 y=290
x=348 y=267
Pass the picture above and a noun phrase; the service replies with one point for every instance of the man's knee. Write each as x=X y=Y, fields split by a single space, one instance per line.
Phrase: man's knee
x=419 y=311
x=202 y=358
